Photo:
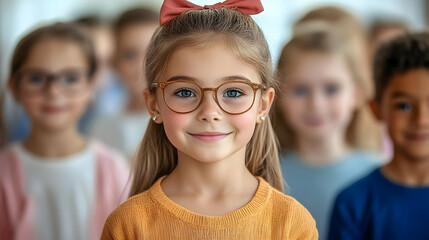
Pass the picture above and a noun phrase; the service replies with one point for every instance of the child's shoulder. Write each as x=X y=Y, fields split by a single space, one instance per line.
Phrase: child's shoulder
x=361 y=188
x=287 y=205
x=137 y=204
x=296 y=218
x=108 y=155
x=10 y=169
x=133 y=212
x=366 y=156
x=7 y=155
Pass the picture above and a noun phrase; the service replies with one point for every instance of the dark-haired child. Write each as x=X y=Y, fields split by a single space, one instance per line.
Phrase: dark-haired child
x=393 y=201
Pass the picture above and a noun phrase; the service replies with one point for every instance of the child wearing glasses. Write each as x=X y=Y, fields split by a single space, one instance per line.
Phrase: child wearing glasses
x=56 y=184
x=319 y=121
x=208 y=167
x=392 y=202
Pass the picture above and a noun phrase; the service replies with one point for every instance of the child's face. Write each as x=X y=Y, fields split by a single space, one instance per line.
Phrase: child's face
x=132 y=42
x=209 y=134
x=319 y=95
x=60 y=102
x=405 y=110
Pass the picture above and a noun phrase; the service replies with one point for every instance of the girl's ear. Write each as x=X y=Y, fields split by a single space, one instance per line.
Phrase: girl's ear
x=376 y=110
x=152 y=106
x=267 y=101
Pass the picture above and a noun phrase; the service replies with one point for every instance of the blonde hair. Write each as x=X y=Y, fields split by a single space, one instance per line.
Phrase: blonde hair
x=362 y=132
x=351 y=30
x=156 y=155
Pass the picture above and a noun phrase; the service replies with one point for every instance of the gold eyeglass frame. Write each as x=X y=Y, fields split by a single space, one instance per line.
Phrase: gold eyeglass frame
x=254 y=86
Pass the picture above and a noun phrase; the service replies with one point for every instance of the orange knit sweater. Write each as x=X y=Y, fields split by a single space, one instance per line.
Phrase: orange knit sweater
x=269 y=215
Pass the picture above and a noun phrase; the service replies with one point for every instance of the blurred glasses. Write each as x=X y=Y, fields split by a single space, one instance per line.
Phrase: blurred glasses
x=69 y=83
x=233 y=97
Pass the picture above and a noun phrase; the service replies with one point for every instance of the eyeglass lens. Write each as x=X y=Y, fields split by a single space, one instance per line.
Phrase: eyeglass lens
x=233 y=97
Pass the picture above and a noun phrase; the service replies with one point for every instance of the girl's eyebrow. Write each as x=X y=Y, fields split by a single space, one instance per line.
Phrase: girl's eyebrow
x=235 y=77
x=42 y=70
x=400 y=94
x=224 y=79
x=175 y=78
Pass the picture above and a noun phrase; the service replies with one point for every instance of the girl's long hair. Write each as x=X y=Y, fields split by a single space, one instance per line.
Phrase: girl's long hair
x=156 y=155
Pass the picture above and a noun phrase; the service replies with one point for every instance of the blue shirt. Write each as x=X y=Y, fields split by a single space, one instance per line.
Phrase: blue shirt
x=376 y=208
x=316 y=187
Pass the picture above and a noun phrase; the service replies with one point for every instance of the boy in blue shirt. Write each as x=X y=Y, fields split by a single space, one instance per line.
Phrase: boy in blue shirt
x=393 y=201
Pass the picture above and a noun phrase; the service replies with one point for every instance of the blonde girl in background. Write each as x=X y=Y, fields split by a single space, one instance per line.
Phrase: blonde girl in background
x=317 y=121
x=353 y=33
x=56 y=184
x=208 y=166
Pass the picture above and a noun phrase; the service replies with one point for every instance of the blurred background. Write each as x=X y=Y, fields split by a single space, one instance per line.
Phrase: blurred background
x=18 y=17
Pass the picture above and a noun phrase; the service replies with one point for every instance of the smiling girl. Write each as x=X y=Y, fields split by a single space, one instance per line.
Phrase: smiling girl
x=208 y=164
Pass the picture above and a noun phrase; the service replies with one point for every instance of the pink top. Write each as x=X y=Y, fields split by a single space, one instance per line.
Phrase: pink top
x=16 y=208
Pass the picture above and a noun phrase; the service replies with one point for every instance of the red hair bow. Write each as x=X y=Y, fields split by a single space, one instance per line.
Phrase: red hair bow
x=172 y=8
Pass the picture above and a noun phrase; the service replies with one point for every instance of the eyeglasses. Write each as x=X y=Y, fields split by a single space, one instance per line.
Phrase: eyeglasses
x=69 y=83
x=233 y=97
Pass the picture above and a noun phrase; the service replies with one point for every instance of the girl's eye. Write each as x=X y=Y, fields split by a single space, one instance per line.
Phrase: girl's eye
x=406 y=107
x=185 y=93
x=232 y=93
x=331 y=90
x=70 y=79
x=37 y=79
x=300 y=91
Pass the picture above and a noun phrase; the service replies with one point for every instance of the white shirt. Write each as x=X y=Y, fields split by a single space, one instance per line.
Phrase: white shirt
x=63 y=191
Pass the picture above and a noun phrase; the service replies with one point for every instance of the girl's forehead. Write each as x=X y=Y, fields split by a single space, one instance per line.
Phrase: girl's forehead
x=55 y=54
x=209 y=63
x=316 y=66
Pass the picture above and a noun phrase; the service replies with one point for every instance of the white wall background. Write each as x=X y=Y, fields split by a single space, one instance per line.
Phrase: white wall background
x=18 y=17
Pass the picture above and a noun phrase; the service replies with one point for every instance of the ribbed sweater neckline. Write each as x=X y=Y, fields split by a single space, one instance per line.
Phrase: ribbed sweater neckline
x=252 y=208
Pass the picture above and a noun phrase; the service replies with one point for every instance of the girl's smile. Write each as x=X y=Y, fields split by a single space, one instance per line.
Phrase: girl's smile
x=210 y=136
x=52 y=109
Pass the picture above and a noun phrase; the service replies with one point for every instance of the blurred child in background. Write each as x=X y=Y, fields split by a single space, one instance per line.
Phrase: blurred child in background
x=109 y=93
x=348 y=27
x=56 y=184
x=133 y=31
x=381 y=32
x=392 y=202
x=317 y=121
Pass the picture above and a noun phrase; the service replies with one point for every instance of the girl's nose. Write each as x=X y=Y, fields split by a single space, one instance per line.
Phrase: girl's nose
x=52 y=88
x=316 y=100
x=209 y=109
x=422 y=115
